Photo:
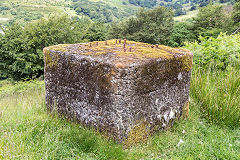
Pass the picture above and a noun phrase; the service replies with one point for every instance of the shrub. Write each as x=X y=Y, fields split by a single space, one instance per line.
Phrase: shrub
x=218 y=52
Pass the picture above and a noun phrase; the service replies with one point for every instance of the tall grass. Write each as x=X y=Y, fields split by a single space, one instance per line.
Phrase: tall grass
x=215 y=82
x=218 y=94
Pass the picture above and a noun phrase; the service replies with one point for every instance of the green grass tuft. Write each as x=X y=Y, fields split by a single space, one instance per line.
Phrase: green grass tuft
x=218 y=93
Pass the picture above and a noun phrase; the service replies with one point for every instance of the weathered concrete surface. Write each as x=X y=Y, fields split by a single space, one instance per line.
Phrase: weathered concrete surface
x=127 y=95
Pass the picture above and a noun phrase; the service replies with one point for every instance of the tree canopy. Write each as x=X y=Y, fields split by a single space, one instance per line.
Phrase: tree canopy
x=21 y=54
x=151 y=26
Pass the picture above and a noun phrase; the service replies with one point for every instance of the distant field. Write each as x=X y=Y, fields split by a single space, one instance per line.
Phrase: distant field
x=119 y=4
x=28 y=10
x=189 y=14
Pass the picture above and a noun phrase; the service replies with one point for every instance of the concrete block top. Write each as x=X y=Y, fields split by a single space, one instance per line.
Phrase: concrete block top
x=123 y=53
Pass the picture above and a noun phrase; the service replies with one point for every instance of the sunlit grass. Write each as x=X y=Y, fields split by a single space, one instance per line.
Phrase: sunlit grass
x=218 y=94
x=190 y=14
x=27 y=131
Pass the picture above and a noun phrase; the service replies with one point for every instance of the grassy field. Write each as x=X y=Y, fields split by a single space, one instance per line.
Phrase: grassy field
x=190 y=14
x=29 y=10
x=27 y=131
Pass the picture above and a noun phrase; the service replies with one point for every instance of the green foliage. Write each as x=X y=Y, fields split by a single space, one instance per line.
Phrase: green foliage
x=95 y=10
x=151 y=26
x=21 y=54
x=216 y=78
x=180 y=34
x=216 y=53
x=236 y=16
x=211 y=16
x=179 y=12
x=193 y=7
x=96 y=32
x=210 y=20
x=28 y=132
x=144 y=3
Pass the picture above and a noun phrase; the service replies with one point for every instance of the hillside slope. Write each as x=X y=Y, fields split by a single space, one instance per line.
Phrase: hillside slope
x=100 y=10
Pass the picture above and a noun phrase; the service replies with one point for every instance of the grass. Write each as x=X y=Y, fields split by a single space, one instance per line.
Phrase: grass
x=216 y=78
x=218 y=93
x=190 y=14
x=20 y=10
x=29 y=10
x=27 y=131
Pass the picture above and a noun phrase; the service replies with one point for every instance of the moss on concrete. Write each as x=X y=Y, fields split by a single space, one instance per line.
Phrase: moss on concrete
x=139 y=50
x=138 y=133
x=51 y=58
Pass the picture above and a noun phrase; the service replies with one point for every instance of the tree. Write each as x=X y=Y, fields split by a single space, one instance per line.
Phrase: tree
x=179 y=12
x=143 y=3
x=236 y=15
x=210 y=18
x=151 y=26
x=193 y=7
x=21 y=54
x=181 y=33
x=95 y=10
x=96 y=32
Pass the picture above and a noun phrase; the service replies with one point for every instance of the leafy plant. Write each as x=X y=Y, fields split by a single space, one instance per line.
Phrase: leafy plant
x=216 y=53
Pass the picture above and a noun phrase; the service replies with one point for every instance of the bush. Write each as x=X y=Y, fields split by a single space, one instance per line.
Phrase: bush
x=216 y=53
